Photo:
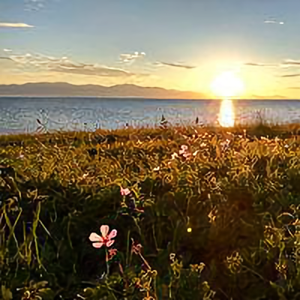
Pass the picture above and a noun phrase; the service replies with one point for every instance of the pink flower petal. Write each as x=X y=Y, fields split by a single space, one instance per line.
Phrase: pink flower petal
x=97 y=245
x=109 y=243
x=94 y=237
x=112 y=234
x=104 y=229
x=125 y=192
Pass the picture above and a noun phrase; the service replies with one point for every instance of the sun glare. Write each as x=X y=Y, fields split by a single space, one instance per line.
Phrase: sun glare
x=227 y=85
x=226 y=116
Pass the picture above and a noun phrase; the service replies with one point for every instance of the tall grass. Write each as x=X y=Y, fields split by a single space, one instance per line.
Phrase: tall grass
x=200 y=213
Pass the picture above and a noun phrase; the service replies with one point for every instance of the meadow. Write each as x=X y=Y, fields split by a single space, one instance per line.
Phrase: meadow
x=151 y=213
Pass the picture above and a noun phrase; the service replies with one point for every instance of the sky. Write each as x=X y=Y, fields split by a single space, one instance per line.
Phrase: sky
x=174 y=44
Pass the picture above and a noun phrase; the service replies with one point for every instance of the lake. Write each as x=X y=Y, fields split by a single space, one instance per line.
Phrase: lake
x=20 y=114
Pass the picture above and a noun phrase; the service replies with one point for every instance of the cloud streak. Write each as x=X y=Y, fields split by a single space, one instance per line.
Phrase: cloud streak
x=291 y=63
x=274 y=22
x=65 y=65
x=290 y=75
x=256 y=64
x=284 y=64
x=15 y=25
x=175 y=65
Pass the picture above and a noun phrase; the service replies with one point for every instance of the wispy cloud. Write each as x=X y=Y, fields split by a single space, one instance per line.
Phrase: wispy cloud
x=274 y=22
x=127 y=57
x=7 y=50
x=290 y=63
x=290 y=75
x=65 y=65
x=176 y=65
x=15 y=25
x=257 y=64
x=34 y=5
x=287 y=63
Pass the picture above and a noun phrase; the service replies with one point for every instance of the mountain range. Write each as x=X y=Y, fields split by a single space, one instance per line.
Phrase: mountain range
x=61 y=89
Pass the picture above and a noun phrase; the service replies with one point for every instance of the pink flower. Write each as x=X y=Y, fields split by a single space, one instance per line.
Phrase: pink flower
x=183 y=149
x=135 y=247
x=105 y=239
x=112 y=253
x=125 y=192
x=186 y=155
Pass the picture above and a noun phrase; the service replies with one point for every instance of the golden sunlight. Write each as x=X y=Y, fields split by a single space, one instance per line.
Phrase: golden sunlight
x=227 y=85
x=226 y=115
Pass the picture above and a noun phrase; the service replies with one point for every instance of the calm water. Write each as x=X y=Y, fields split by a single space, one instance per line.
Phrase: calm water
x=21 y=114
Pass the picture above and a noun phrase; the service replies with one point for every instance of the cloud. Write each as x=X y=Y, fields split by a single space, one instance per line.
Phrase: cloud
x=294 y=88
x=274 y=22
x=176 y=65
x=7 y=50
x=34 y=5
x=290 y=75
x=126 y=57
x=284 y=64
x=15 y=25
x=65 y=65
x=290 y=63
x=256 y=64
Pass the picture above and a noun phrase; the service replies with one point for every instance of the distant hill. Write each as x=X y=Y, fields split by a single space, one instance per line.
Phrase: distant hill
x=66 y=90
x=277 y=97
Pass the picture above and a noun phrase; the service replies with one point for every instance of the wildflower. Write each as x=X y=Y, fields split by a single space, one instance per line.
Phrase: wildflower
x=125 y=192
x=183 y=149
x=195 y=153
x=197 y=268
x=135 y=248
x=234 y=262
x=21 y=156
x=202 y=145
x=156 y=169
x=172 y=256
x=281 y=268
x=212 y=215
x=105 y=239
x=186 y=155
x=112 y=253
x=174 y=155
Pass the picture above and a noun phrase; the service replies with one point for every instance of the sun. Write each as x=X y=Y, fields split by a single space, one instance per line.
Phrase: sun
x=227 y=85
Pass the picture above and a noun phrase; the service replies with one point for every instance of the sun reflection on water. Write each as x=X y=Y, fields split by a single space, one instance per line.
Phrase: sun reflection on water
x=226 y=116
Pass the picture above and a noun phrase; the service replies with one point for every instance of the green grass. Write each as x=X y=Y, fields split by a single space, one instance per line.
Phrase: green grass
x=218 y=221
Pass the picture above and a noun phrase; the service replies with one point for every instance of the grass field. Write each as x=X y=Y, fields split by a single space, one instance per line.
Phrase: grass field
x=193 y=213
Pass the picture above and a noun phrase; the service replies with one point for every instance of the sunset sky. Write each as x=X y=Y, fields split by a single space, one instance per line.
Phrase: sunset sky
x=174 y=44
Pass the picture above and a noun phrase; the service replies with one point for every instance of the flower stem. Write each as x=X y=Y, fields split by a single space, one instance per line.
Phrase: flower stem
x=106 y=260
x=144 y=260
